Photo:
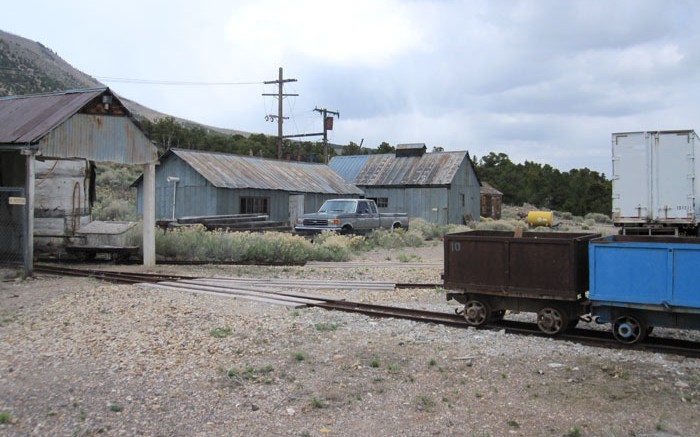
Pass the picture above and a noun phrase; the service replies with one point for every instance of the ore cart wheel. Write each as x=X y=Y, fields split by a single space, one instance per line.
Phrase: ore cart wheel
x=552 y=320
x=476 y=312
x=629 y=329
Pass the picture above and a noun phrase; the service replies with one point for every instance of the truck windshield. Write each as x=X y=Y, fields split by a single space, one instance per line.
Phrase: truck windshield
x=338 y=206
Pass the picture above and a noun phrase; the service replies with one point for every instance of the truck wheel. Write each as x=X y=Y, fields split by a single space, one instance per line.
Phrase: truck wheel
x=552 y=320
x=346 y=230
x=477 y=312
x=629 y=329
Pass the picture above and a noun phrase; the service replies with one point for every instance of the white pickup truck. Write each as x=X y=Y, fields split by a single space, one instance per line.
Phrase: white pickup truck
x=349 y=216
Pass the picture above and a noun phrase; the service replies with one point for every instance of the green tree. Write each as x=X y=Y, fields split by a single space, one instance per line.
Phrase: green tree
x=383 y=148
x=352 y=149
x=578 y=191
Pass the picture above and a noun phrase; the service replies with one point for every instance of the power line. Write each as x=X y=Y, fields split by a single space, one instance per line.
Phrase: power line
x=171 y=82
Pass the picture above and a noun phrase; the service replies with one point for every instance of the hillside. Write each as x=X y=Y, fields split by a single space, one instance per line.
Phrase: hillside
x=29 y=67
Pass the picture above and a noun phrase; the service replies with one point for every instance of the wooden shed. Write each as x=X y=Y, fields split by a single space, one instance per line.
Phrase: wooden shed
x=42 y=133
x=491 y=201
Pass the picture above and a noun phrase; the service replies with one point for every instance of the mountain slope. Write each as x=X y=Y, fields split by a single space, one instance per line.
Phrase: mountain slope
x=29 y=67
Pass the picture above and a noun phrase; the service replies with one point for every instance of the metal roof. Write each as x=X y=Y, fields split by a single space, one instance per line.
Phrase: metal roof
x=235 y=171
x=487 y=188
x=437 y=168
x=89 y=124
x=26 y=119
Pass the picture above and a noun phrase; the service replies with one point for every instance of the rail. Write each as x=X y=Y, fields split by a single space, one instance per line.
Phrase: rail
x=582 y=336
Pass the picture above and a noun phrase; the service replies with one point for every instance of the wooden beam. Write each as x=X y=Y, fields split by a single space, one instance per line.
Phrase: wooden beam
x=149 y=214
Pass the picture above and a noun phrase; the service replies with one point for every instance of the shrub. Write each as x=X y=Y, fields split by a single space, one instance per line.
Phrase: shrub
x=332 y=247
x=598 y=218
x=5 y=417
x=220 y=332
x=500 y=225
x=108 y=209
x=432 y=231
x=564 y=215
x=270 y=247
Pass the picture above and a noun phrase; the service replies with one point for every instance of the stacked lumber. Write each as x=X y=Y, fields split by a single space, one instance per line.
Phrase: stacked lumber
x=231 y=223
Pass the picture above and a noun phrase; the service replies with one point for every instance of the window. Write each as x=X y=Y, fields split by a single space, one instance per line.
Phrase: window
x=382 y=202
x=255 y=205
x=462 y=198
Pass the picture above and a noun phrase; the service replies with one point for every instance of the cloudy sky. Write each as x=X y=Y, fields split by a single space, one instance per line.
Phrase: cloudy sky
x=541 y=80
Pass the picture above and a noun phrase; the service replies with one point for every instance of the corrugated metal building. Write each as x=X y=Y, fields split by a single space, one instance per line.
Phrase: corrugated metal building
x=39 y=134
x=197 y=183
x=441 y=187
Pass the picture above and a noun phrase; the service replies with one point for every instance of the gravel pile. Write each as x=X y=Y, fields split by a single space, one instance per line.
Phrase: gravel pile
x=82 y=357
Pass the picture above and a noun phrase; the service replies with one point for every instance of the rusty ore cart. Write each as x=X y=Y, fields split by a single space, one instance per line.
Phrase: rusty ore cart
x=541 y=272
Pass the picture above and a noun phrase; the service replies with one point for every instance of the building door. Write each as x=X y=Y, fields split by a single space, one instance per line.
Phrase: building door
x=13 y=226
x=296 y=207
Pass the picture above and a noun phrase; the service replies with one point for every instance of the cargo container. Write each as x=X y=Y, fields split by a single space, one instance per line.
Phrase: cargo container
x=655 y=182
x=637 y=282
x=542 y=272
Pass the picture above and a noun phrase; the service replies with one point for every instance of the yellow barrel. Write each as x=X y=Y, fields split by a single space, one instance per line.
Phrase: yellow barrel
x=540 y=218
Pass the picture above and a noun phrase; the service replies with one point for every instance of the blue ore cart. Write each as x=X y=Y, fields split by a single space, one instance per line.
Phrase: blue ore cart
x=638 y=282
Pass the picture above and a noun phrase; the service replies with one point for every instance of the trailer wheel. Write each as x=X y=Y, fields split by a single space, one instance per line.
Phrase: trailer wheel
x=476 y=312
x=629 y=329
x=552 y=320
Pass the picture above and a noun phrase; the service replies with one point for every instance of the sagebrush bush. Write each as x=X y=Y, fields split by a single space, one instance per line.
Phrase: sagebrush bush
x=333 y=247
x=108 y=209
x=499 y=225
x=196 y=243
x=116 y=175
x=598 y=218
x=433 y=231
x=564 y=215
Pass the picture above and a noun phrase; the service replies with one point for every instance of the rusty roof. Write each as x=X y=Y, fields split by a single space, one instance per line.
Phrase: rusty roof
x=235 y=171
x=26 y=119
x=88 y=124
x=487 y=188
x=437 y=168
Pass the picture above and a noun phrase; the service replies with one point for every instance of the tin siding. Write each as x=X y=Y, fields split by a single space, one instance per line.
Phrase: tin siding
x=229 y=202
x=464 y=183
x=99 y=138
x=416 y=202
x=197 y=196
x=441 y=205
x=194 y=195
x=313 y=201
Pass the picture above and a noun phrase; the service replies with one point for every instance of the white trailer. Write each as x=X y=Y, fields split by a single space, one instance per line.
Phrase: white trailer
x=654 y=181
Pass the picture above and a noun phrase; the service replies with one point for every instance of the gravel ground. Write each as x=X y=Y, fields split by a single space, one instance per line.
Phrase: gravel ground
x=83 y=357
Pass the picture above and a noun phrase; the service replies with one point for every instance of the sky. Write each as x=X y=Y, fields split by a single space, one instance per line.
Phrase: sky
x=546 y=81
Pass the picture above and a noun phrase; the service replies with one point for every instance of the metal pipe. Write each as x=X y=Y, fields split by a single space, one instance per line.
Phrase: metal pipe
x=174 y=180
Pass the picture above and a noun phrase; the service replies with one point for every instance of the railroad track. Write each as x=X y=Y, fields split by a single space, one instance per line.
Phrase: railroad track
x=228 y=286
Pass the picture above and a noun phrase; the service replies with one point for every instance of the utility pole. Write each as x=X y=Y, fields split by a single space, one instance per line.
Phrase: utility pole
x=280 y=110
x=327 y=125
